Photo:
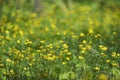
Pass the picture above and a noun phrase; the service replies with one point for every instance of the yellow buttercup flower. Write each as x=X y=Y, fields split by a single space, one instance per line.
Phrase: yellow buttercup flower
x=97 y=68
x=63 y=63
x=67 y=58
x=103 y=77
x=81 y=57
x=82 y=34
x=84 y=41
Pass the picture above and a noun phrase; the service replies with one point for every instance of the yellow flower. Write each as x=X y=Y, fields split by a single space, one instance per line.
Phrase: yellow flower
x=91 y=31
x=8 y=38
x=18 y=41
x=118 y=54
x=108 y=61
x=21 y=32
x=84 y=48
x=46 y=29
x=28 y=42
x=81 y=57
x=114 y=54
x=114 y=64
x=80 y=46
x=63 y=63
x=57 y=46
x=100 y=46
x=58 y=33
x=42 y=41
x=30 y=64
x=114 y=33
x=84 y=41
x=103 y=54
x=12 y=71
x=82 y=34
x=66 y=50
x=97 y=68
x=83 y=51
x=67 y=58
x=7 y=32
x=25 y=68
x=69 y=53
x=65 y=46
x=103 y=77
x=104 y=48
x=8 y=60
x=88 y=47
x=1 y=65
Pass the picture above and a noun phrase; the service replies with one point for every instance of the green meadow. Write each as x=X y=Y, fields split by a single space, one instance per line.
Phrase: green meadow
x=58 y=40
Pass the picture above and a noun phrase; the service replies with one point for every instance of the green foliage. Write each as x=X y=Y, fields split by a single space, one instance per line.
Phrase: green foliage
x=81 y=43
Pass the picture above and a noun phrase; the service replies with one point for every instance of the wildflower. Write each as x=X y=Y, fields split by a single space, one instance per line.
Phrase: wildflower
x=25 y=68
x=74 y=36
x=63 y=63
x=40 y=47
x=114 y=33
x=104 y=48
x=7 y=32
x=103 y=77
x=18 y=41
x=84 y=41
x=100 y=46
x=58 y=33
x=67 y=58
x=69 y=53
x=88 y=47
x=114 y=54
x=46 y=29
x=39 y=51
x=64 y=33
x=103 y=54
x=83 y=51
x=108 y=61
x=97 y=68
x=53 y=26
x=61 y=41
x=90 y=42
x=91 y=31
x=97 y=36
x=8 y=38
x=82 y=34
x=65 y=46
x=1 y=65
x=115 y=64
x=118 y=54
x=27 y=58
x=28 y=42
x=66 y=50
x=30 y=64
x=21 y=32
x=80 y=46
x=8 y=60
x=81 y=57
x=5 y=74
x=57 y=46
x=12 y=71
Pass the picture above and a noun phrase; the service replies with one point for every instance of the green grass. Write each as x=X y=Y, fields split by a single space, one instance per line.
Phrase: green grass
x=79 y=44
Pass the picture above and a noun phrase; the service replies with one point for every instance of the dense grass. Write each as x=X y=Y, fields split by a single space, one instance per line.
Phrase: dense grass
x=79 y=44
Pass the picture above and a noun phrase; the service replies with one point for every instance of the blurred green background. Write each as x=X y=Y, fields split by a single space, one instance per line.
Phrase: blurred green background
x=41 y=6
